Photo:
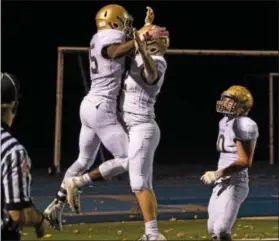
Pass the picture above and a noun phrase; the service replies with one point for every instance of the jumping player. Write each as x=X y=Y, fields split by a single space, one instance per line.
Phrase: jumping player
x=236 y=143
x=138 y=98
x=108 y=47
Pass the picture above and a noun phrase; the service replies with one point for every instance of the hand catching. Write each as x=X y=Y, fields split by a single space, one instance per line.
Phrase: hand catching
x=139 y=44
x=149 y=19
x=156 y=33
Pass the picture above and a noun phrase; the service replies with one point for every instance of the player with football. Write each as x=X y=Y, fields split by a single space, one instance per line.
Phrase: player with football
x=236 y=143
x=98 y=112
x=137 y=100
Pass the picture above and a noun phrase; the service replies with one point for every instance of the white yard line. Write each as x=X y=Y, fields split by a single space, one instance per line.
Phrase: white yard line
x=256 y=239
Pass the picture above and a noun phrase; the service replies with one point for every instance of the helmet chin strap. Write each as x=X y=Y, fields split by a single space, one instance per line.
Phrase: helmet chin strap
x=230 y=116
x=15 y=106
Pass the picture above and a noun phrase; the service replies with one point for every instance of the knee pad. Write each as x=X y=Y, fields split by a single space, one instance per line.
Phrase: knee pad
x=85 y=163
x=113 y=167
x=139 y=183
x=78 y=167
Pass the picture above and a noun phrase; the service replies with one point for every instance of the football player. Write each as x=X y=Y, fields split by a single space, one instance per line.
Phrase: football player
x=236 y=143
x=138 y=97
x=108 y=47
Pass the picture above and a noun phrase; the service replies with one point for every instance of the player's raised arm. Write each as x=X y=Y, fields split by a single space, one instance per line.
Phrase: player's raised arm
x=150 y=73
x=150 y=47
x=116 y=17
x=152 y=52
x=115 y=51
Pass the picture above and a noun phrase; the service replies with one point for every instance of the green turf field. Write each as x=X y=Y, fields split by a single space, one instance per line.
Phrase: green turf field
x=173 y=230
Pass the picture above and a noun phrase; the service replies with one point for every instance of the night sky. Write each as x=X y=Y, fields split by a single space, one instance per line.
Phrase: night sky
x=32 y=31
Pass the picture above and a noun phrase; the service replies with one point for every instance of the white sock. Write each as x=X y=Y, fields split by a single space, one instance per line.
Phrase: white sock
x=151 y=228
x=86 y=179
x=61 y=196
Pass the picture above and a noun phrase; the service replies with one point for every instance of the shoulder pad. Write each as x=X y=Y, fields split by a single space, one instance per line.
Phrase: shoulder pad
x=108 y=37
x=245 y=129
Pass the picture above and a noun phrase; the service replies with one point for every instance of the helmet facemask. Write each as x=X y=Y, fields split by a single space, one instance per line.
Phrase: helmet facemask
x=156 y=47
x=128 y=27
x=230 y=106
x=235 y=101
x=125 y=26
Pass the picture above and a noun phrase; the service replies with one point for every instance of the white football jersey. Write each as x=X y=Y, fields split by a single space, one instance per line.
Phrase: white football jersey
x=105 y=73
x=241 y=128
x=137 y=96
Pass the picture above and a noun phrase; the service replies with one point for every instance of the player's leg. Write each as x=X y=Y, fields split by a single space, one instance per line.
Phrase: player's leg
x=211 y=211
x=144 y=139
x=88 y=147
x=115 y=139
x=105 y=171
x=226 y=209
x=152 y=193
x=88 y=144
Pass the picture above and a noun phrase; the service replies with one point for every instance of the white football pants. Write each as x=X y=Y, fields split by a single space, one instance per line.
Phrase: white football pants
x=99 y=123
x=144 y=137
x=223 y=207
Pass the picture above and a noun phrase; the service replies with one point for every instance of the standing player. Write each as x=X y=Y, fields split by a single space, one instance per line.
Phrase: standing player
x=138 y=98
x=108 y=48
x=143 y=84
x=236 y=143
x=17 y=208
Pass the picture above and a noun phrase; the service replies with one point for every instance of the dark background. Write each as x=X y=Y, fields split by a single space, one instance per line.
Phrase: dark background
x=32 y=31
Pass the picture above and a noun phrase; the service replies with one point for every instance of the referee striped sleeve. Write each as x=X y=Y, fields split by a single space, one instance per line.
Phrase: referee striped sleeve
x=16 y=178
x=8 y=144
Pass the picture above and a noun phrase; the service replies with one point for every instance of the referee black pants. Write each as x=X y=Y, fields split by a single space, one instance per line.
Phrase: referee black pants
x=10 y=232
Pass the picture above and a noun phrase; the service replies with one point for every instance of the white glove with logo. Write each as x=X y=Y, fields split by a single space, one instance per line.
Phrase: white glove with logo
x=210 y=177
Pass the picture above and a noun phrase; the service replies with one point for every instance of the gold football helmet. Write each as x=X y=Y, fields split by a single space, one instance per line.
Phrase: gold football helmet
x=114 y=16
x=235 y=101
x=155 y=47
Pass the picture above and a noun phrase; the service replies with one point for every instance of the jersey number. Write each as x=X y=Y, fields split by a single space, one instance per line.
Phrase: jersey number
x=221 y=143
x=93 y=62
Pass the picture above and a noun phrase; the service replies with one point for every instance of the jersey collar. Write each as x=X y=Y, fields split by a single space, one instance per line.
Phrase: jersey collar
x=5 y=126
